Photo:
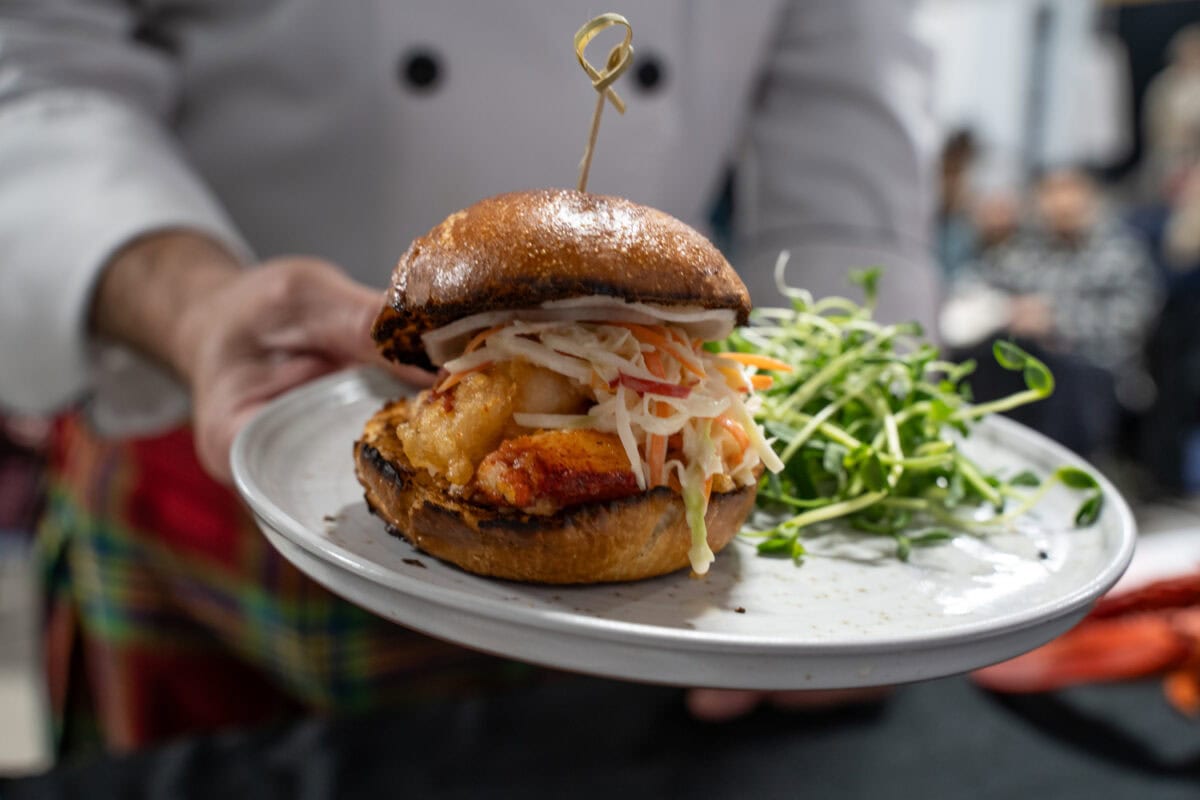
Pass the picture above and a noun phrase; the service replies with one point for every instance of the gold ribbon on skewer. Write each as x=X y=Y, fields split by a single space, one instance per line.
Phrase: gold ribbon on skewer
x=619 y=60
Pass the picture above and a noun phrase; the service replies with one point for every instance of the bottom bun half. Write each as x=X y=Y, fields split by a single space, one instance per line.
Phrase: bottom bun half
x=619 y=540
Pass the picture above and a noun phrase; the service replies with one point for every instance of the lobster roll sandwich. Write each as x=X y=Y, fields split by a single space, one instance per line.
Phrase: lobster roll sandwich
x=578 y=431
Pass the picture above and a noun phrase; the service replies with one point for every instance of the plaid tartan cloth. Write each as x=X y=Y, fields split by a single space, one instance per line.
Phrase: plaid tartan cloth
x=169 y=613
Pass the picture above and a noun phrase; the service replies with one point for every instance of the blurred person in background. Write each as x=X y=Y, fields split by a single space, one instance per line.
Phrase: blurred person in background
x=1078 y=291
x=1171 y=116
x=956 y=235
x=160 y=162
x=996 y=219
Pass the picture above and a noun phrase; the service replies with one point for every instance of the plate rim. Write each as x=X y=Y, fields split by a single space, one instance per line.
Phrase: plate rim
x=370 y=379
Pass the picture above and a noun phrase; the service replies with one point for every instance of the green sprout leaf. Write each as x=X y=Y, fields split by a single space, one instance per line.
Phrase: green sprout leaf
x=1025 y=478
x=1075 y=478
x=1008 y=355
x=868 y=425
x=868 y=280
x=798 y=551
x=1089 y=512
x=873 y=475
x=778 y=545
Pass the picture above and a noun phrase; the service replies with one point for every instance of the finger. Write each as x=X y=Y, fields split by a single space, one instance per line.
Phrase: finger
x=339 y=316
x=224 y=410
x=719 y=705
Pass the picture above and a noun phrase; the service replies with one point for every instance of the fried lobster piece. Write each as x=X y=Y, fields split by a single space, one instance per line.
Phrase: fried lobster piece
x=1151 y=630
x=550 y=470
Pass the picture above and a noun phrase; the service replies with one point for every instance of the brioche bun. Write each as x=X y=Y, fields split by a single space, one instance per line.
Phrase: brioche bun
x=620 y=540
x=519 y=250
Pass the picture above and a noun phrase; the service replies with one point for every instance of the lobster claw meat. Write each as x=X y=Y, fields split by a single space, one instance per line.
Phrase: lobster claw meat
x=1151 y=630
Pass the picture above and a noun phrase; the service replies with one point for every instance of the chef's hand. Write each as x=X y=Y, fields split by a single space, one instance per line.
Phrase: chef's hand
x=719 y=705
x=237 y=337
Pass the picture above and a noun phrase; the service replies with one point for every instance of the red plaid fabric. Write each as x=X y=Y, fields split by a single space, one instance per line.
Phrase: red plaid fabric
x=169 y=612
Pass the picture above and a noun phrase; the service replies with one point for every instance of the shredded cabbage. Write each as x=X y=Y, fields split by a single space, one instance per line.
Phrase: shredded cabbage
x=701 y=323
x=625 y=432
x=695 y=507
x=553 y=421
x=596 y=354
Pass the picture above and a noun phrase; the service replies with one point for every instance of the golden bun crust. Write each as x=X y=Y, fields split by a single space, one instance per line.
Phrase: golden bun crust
x=621 y=540
x=522 y=249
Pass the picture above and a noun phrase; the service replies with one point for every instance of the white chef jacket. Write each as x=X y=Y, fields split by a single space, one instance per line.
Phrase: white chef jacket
x=345 y=129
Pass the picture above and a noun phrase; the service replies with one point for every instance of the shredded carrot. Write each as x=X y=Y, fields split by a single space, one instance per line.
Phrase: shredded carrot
x=654 y=364
x=762 y=382
x=656 y=453
x=479 y=339
x=756 y=360
x=707 y=489
x=660 y=338
x=453 y=379
x=733 y=378
x=657 y=458
x=736 y=431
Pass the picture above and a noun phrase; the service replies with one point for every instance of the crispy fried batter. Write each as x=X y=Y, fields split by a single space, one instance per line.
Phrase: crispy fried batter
x=548 y=471
x=448 y=434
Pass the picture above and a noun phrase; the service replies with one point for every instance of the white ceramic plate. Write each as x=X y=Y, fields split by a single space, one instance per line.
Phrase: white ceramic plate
x=851 y=615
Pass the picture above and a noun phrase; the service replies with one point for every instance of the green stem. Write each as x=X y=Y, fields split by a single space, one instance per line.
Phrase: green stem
x=833 y=432
x=915 y=410
x=814 y=423
x=972 y=476
x=1031 y=500
x=795 y=502
x=822 y=376
x=996 y=406
x=918 y=462
x=833 y=511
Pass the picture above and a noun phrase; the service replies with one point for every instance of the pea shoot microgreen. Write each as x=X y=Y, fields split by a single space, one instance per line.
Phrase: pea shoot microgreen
x=868 y=425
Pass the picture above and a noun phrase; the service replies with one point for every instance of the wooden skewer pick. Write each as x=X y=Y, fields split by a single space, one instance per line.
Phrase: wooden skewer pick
x=618 y=61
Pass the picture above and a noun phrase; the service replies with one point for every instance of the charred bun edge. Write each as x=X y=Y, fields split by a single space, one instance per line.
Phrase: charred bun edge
x=637 y=537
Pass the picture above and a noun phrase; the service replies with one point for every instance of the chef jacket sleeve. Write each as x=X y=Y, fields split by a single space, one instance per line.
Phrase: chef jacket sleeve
x=840 y=152
x=87 y=164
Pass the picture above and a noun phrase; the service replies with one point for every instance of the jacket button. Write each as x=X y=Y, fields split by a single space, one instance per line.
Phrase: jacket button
x=650 y=74
x=421 y=69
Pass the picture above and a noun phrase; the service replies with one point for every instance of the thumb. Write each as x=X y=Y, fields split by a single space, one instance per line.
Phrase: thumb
x=339 y=313
x=336 y=314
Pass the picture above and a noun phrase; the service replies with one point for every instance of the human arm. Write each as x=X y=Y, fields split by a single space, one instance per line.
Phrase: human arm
x=236 y=338
x=839 y=168
x=87 y=165
x=108 y=237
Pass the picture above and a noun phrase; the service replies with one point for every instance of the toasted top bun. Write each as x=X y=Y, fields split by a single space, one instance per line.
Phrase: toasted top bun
x=520 y=250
